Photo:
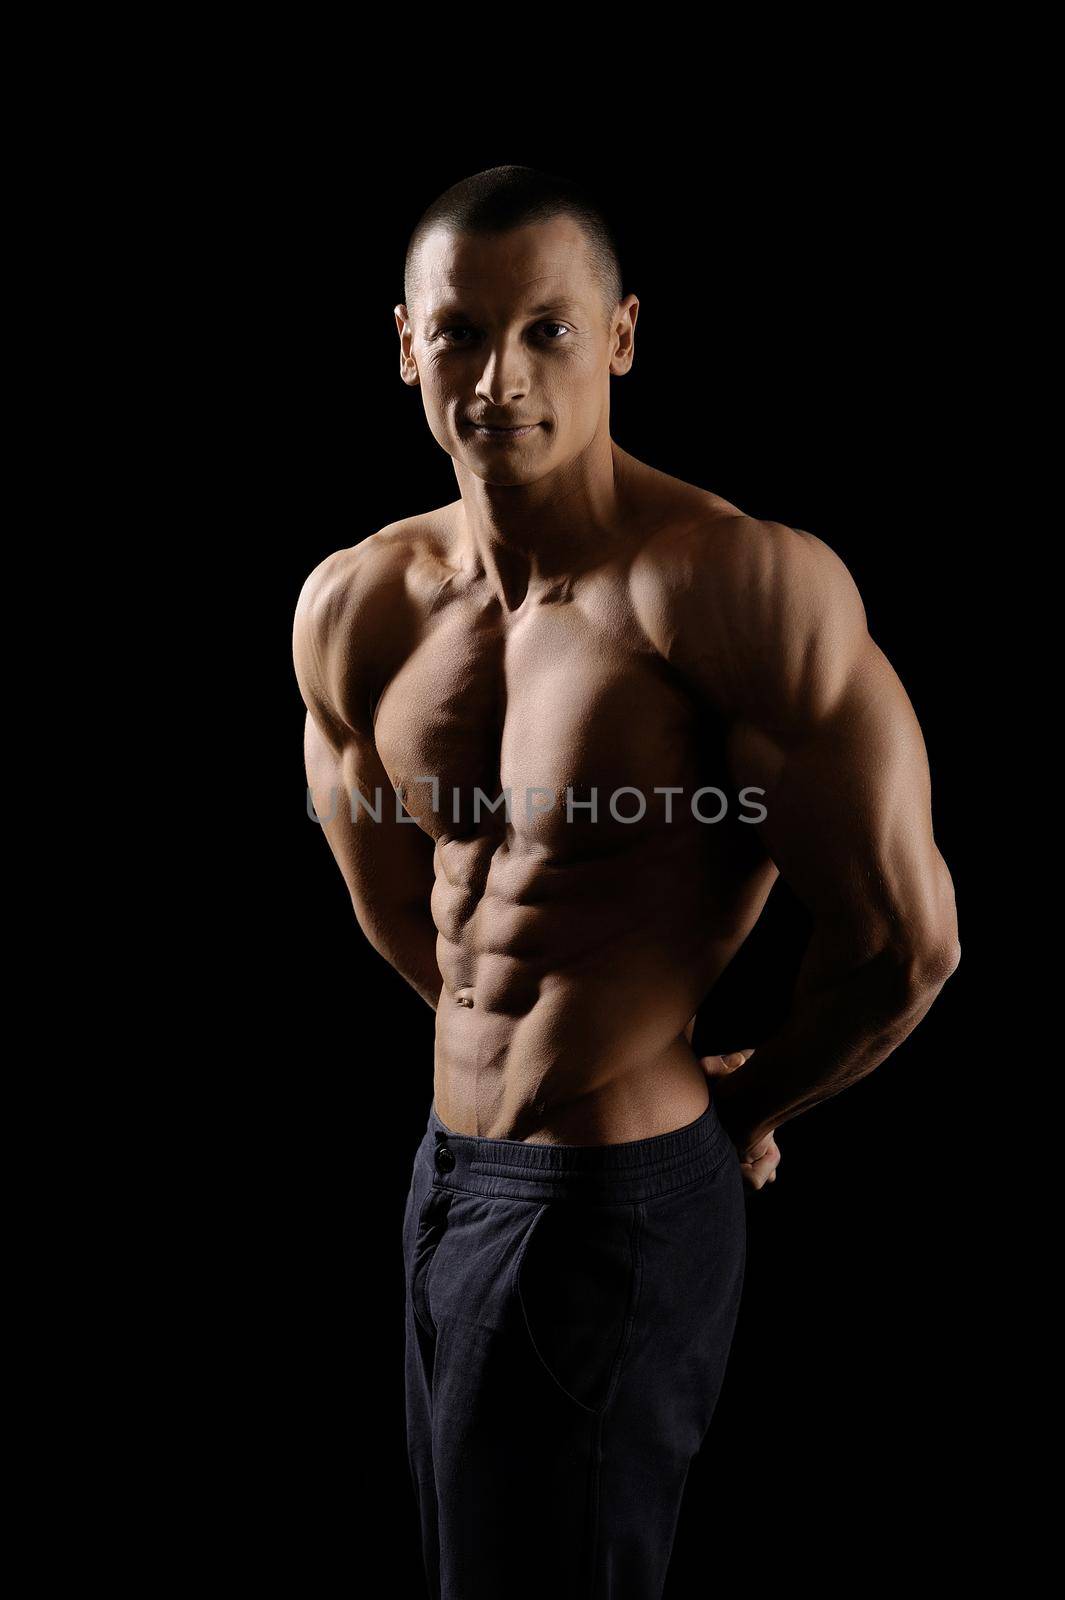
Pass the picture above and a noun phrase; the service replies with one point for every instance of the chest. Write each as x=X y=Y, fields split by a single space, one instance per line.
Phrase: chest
x=556 y=709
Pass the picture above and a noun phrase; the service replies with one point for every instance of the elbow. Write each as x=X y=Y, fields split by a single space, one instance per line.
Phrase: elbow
x=929 y=947
x=925 y=966
x=938 y=953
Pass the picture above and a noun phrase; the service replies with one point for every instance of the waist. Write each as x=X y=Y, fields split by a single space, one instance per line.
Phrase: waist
x=602 y=1174
x=593 y=1062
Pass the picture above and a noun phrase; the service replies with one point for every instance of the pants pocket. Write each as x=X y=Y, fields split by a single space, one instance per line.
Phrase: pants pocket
x=577 y=1286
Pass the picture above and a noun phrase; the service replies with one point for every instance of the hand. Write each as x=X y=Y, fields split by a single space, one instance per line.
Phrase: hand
x=759 y=1156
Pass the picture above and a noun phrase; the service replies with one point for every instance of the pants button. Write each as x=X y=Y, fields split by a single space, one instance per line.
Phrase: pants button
x=445 y=1159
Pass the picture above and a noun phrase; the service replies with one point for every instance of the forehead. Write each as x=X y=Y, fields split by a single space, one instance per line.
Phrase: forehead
x=539 y=263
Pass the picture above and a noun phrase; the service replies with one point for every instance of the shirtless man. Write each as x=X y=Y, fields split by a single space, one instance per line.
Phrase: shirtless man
x=600 y=643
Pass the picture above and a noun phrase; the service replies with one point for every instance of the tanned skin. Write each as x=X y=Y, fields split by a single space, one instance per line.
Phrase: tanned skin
x=578 y=621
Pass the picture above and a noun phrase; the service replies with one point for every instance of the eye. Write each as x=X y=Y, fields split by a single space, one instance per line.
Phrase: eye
x=453 y=333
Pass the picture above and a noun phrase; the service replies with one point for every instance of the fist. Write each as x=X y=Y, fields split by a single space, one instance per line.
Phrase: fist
x=759 y=1158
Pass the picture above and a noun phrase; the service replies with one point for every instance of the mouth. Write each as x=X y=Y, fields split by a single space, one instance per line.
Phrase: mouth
x=512 y=431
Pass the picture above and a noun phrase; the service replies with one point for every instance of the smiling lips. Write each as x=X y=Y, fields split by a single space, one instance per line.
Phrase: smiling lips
x=504 y=427
x=494 y=433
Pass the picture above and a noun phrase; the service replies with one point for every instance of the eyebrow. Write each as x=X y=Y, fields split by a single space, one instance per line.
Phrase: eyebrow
x=450 y=306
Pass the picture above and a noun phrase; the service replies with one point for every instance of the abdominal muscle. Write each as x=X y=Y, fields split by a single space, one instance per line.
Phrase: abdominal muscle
x=529 y=1090
x=562 y=1015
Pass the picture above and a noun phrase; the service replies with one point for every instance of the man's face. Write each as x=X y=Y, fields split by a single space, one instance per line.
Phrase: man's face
x=512 y=329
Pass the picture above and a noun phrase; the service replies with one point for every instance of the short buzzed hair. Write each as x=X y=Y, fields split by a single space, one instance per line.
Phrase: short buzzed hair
x=501 y=198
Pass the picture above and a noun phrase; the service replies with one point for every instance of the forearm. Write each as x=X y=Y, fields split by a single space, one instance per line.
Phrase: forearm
x=837 y=1032
x=406 y=936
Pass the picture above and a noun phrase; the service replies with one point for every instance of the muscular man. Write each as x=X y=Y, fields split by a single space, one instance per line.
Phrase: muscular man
x=599 y=709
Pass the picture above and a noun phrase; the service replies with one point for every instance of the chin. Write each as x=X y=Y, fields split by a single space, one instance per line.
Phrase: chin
x=501 y=479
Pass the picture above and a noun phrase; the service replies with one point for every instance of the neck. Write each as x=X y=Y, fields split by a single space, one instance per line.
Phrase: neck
x=528 y=538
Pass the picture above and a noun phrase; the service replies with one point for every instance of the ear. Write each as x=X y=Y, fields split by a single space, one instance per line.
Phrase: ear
x=408 y=367
x=623 y=335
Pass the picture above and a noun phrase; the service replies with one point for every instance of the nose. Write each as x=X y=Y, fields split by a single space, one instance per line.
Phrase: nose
x=505 y=376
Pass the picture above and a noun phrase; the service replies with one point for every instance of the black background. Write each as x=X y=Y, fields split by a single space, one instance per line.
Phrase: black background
x=799 y=351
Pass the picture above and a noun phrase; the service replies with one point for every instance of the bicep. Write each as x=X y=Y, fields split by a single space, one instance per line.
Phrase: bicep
x=386 y=860
x=848 y=810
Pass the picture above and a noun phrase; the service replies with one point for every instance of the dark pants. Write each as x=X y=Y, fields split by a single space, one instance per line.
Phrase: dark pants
x=570 y=1310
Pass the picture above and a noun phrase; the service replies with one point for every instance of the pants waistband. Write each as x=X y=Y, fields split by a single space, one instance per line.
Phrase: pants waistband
x=604 y=1174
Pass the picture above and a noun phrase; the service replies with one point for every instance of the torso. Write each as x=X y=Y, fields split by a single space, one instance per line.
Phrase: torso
x=573 y=953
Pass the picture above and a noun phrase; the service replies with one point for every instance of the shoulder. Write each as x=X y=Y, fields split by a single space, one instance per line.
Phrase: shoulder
x=749 y=607
x=746 y=557
x=341 y=583
x=355 y=585
x=347 y=608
